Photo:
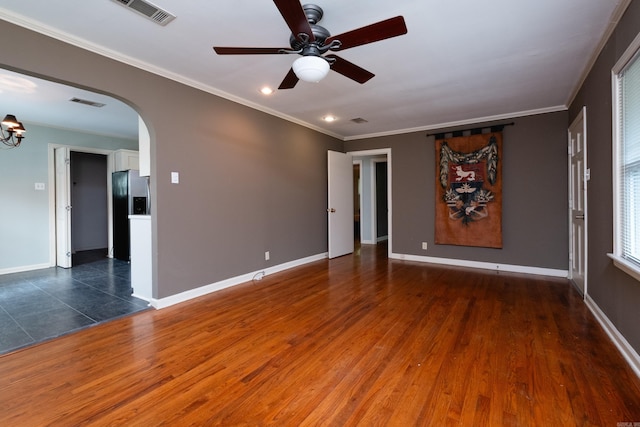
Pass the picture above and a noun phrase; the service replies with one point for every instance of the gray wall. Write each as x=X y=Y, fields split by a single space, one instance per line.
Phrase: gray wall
x=249 y=182
x=534 y=168
x=24 y=231
x=617 y=294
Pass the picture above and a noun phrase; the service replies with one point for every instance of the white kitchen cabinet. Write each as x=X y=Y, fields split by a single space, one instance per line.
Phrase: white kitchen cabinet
x=126 y=160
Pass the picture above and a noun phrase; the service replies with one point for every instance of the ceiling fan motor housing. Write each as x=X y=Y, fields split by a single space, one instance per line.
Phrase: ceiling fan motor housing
x=314 y=14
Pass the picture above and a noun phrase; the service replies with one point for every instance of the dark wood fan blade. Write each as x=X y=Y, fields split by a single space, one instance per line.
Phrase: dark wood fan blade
x=294 y=16
x=350 y=70
x=248 y=50
x=290 y=80
x=371 y=33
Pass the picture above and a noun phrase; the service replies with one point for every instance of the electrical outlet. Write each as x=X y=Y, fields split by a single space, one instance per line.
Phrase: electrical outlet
x=424 y=246
x=267 y=256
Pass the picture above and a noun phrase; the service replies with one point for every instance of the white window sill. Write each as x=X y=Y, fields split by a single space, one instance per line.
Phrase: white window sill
x=626 y=266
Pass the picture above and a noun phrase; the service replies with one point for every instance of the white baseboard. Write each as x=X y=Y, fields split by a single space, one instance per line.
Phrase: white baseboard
x=24 y=268
x=628 y=352
x=484 y=265
x=213 y=287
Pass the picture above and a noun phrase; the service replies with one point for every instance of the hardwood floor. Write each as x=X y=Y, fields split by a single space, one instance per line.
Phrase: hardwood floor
x=359 y=340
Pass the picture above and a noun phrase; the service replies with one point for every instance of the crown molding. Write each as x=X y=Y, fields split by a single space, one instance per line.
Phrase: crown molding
x=38 y=27
x=473 y=121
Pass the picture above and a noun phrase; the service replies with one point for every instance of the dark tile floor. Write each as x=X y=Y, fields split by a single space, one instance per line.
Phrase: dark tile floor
x=42 y=304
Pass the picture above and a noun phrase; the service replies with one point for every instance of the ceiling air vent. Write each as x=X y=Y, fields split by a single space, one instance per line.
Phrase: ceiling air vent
x=87 y=102
x=149 y=10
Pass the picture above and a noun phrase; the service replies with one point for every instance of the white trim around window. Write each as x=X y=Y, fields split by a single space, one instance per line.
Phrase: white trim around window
x=625 y=85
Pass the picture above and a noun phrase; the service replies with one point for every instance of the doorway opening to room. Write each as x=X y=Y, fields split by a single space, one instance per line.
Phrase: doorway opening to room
x=371 y=198
x=89 y=199
x=359 y=200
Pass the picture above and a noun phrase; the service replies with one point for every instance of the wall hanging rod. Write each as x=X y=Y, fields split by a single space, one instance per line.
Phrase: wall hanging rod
x=472 y=131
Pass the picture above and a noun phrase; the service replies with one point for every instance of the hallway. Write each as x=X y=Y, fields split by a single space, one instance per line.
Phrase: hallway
x=42 y=304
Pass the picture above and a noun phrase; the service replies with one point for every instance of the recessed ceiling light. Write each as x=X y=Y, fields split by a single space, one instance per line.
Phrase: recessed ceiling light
x=329 y=118
x=266 y=90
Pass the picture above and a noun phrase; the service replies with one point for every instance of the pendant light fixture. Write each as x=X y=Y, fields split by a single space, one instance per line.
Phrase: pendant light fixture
x=14 y=133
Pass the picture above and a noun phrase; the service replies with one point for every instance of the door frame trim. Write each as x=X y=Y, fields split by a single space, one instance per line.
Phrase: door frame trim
x=360 y=196
x=387 y=152
x=52 y=193
x=374 y=198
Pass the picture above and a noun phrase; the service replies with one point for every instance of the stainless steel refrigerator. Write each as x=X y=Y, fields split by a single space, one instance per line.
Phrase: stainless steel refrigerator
x=130 y=197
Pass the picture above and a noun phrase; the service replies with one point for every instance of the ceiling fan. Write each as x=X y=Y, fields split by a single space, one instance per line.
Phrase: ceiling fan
x=312 y=41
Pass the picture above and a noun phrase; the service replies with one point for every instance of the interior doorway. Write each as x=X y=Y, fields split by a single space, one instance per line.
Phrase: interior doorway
x=357 y=166
x=89 y=199
x=81 y=208
x=381 y=200
x=372 y=196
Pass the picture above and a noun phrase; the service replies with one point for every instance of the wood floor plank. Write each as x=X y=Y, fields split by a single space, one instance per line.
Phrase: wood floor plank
x=359 y=340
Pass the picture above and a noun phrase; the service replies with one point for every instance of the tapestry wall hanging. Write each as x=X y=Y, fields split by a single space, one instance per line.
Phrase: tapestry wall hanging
x=469 y=190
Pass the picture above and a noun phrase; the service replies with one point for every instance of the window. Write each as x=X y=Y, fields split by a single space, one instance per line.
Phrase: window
x=626 y=161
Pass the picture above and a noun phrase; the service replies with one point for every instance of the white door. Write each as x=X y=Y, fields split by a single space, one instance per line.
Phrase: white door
x=578 y=177
x=63 y=208
x=340 y=209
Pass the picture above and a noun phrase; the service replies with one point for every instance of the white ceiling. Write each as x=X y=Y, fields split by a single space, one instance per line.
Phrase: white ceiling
x=461 y=62
x=37 y=101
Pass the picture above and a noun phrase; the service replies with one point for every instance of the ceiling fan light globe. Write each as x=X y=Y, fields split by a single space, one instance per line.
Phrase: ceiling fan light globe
x=311 y=68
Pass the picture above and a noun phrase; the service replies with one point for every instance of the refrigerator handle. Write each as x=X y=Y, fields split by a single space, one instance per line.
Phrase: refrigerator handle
x=148 y=195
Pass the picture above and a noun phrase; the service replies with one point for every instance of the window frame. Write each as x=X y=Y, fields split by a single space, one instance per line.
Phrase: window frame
x=629 y=57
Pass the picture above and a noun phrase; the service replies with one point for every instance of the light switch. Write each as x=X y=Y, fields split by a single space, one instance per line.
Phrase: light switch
x=175 y=177
x=39 y=186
